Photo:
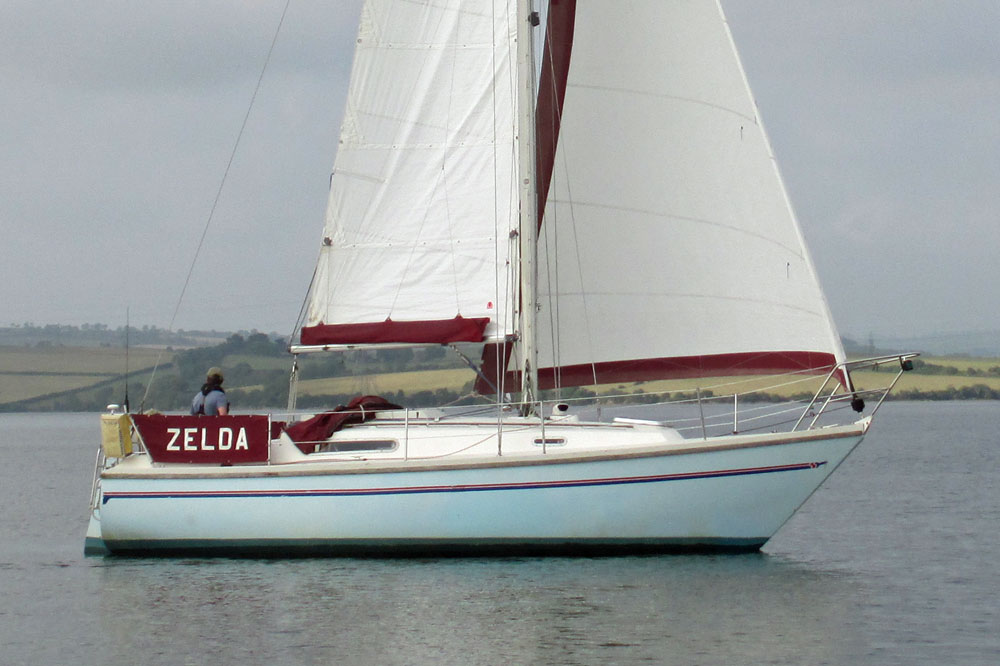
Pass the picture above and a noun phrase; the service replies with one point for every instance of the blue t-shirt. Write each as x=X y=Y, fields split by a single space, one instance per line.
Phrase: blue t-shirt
x=209 y=403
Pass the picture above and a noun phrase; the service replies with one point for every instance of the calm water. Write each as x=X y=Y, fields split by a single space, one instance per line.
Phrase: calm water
x=893 y=561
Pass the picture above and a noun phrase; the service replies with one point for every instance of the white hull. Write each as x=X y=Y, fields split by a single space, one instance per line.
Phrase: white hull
x=731 y=492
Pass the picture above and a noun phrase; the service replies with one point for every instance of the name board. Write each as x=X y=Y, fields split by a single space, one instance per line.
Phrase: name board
x=223 y=440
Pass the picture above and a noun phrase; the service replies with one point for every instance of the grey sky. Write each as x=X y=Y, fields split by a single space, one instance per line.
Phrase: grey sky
x=118 y=119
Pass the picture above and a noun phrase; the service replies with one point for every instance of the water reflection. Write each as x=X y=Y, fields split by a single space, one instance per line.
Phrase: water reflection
x=706 y=609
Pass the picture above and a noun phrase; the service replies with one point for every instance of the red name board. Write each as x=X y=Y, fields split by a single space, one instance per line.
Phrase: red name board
x=224 y=440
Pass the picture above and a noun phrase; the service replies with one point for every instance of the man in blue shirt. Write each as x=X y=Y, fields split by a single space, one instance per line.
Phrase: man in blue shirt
x=211 y=399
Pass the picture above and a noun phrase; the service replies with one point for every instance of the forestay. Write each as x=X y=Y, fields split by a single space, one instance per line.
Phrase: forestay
x=422 y=199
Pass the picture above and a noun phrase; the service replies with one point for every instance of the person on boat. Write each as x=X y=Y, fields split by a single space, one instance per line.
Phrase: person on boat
x=211 y=400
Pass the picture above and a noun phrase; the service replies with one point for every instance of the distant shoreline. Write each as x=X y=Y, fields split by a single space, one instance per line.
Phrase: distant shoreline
x=51 y=378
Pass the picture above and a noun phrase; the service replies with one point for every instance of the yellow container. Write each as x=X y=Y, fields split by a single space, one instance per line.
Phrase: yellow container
x=116 y=435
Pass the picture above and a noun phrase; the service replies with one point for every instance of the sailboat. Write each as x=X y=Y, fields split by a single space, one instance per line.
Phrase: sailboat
x=583 y=196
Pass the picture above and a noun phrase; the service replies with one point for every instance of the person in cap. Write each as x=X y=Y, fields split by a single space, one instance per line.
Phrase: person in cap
x=211 y=400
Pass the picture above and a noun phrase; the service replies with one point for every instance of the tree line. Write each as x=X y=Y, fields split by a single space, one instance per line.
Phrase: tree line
x=257 y=368
x=101 y=335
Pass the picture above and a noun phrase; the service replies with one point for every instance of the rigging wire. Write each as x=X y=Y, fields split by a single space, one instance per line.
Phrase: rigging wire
x=579 y=269
x=127 y=325
x=496 y=228
x=552 y=262
x=218 y=195
x=444 y=172
x=300 y=320
x=509 y=274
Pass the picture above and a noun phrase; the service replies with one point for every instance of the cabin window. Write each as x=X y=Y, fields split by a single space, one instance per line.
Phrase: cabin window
x=550 y=441
x=359 y=445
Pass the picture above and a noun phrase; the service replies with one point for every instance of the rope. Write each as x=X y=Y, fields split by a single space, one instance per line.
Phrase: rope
x=215 y=203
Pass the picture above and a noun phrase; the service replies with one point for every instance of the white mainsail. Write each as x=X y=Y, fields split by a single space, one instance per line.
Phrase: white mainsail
x=668 y=246
x=416 y=246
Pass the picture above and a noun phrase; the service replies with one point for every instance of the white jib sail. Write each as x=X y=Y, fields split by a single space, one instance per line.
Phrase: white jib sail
x=423 y=194
x=667 y=232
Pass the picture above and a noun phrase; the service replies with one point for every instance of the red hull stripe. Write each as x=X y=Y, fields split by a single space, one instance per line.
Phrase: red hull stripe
x=466 y=488
x=676 y=367
x=433 y=331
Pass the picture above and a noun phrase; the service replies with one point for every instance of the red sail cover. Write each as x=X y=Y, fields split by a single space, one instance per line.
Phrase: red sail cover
x=437 y=331
x=220 y=440
x=308 y=433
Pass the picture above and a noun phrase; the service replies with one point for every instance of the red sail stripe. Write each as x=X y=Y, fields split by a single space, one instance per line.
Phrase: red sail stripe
x=676 y=367
x=431 y=331
x=552 y=92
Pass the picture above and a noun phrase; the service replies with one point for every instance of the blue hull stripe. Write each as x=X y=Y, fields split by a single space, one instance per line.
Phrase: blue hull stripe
x=461 y=488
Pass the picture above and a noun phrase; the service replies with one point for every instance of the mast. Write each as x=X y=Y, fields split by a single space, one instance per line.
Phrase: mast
x=527 y=204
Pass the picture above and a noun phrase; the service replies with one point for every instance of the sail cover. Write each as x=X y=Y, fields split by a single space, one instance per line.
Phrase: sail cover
x=422 y=198
x=668 y=247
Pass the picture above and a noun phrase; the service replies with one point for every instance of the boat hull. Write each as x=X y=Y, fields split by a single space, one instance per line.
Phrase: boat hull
x=703 y=498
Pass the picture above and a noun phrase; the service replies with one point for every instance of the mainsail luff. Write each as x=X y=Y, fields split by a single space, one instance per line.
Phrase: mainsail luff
x=557 y=48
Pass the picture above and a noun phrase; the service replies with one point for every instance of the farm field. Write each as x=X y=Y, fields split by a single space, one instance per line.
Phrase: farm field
x=456 y=380
x=910 y=381
x=27 y=373
x=408 y=382
x=77 y=360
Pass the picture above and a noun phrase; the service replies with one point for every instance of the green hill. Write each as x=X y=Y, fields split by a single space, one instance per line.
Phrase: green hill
x=62 y=378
